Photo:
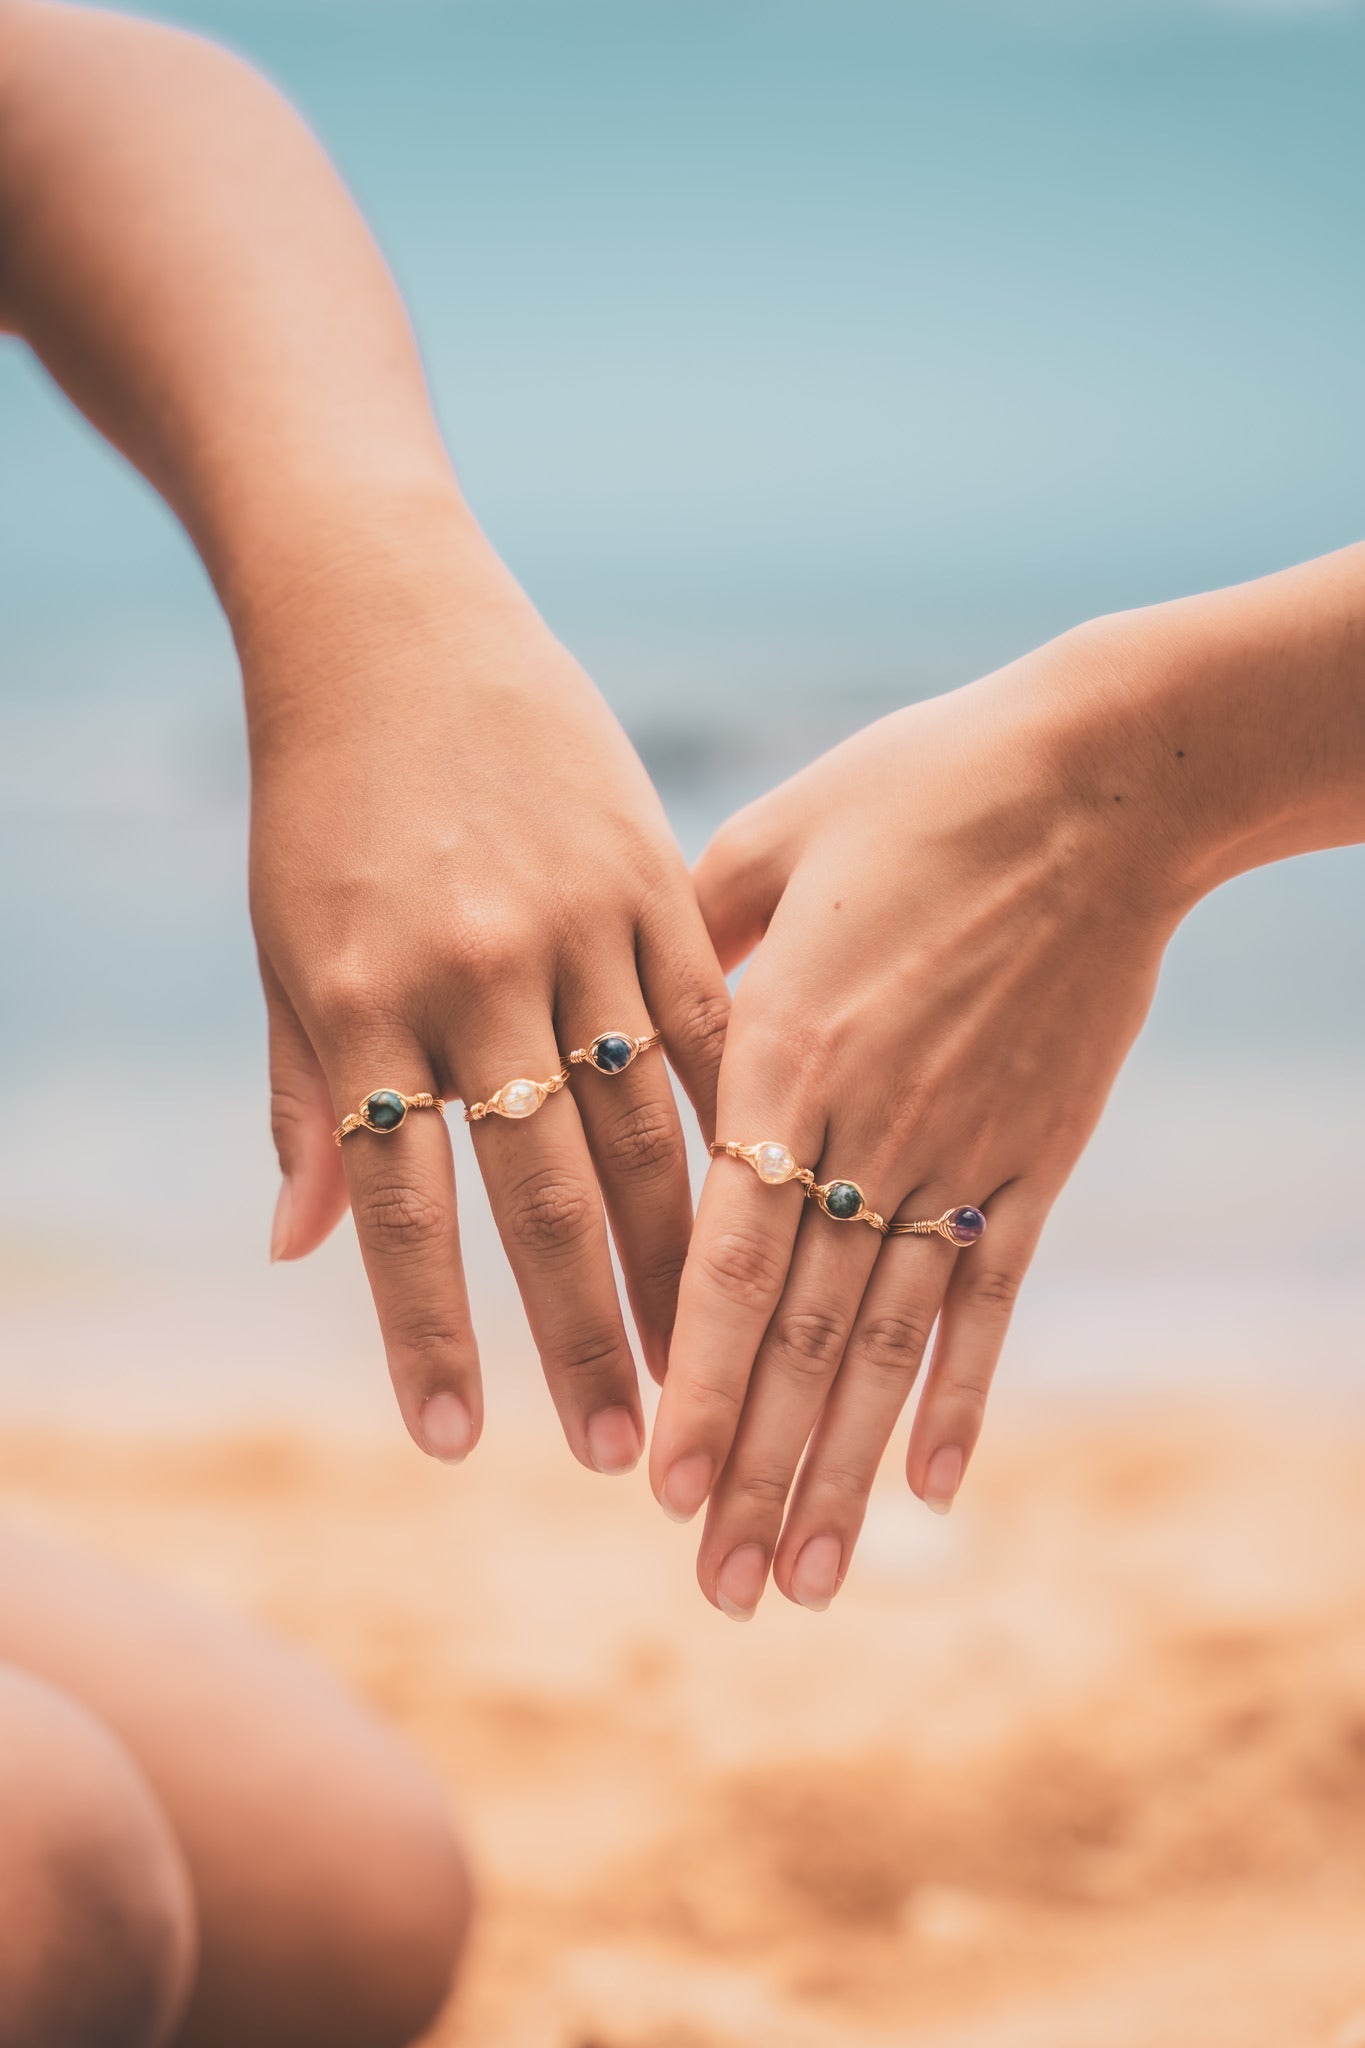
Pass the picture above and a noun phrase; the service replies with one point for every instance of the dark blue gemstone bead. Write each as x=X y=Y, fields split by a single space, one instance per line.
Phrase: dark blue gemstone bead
x=612 y=1053
x=967 y=1225
x=385 y=1109
x=843 y=1200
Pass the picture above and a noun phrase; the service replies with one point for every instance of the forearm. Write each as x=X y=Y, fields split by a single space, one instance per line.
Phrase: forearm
x=179 y=253
x=1229 y=727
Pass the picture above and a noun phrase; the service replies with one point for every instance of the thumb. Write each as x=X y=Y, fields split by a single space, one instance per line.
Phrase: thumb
x=312 y=1200
x=739 y=882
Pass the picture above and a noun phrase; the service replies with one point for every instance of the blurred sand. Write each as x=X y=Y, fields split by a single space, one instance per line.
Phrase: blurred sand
x=1083 y=1767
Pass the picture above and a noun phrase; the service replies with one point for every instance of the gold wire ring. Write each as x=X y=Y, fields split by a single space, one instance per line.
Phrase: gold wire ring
x=517 y=1099
x=383 y=1110
x=962 y=1226
x=843 y=1201
x=611 y=1052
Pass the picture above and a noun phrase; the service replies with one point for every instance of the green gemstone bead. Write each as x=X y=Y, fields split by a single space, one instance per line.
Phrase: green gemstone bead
x=843 y=1200
x=385 y=1109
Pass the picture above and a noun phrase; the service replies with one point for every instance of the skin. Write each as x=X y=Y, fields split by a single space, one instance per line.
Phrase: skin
x=954 y=924
x=148 y=1751
x=459 y=868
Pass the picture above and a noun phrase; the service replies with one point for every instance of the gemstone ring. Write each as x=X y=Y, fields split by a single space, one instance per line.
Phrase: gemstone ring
x=611 y=1052
x=775 y=1163
x=961 y=1226
x=517 y=1099
x=844 y=1200
x=383 y=1110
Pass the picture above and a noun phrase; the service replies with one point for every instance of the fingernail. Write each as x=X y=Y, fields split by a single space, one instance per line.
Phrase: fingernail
x=447 y=1427
x=815 y=1577
x=614 y=1444
x=686 y=1487
x=740 y=1581
x=943 y=1478
x=281 y=1227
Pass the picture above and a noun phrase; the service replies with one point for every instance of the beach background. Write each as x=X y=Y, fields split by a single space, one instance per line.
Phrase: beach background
x=802 y=360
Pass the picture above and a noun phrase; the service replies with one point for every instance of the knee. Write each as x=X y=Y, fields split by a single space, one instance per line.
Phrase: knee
x=96 y=1919
x=399 y=1916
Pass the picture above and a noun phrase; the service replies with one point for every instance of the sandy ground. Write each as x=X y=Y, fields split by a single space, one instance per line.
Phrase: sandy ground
x=1083 y=1767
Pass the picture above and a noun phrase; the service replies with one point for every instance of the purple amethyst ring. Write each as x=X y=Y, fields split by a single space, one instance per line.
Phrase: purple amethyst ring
x=961 y=1226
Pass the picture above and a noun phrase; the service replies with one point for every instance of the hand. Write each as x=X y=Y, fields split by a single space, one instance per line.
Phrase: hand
x=460 y=873
x=957 y=919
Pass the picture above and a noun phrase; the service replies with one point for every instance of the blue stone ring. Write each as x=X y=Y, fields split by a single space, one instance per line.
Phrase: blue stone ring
x=611 y=1052
x=383 y=1110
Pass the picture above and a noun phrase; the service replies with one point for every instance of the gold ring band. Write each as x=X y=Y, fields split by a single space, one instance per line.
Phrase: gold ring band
x=383 y=1110
x=611 y=1052
x=517 y=1099
x=775 y=1164
x=844 y=1200
x=962 y=1226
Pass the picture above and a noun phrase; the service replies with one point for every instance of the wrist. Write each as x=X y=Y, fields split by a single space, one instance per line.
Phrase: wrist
x=324 y=630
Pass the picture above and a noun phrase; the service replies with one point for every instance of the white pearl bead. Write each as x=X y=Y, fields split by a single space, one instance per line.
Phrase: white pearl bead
x=519 y=1098
x=774 y=1163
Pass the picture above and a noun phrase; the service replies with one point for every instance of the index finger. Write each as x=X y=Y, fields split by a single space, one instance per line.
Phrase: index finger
x=736 y=1268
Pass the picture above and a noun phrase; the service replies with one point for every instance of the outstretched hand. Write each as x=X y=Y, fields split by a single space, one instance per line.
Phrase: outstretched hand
x=460 y=875
x=956 y=924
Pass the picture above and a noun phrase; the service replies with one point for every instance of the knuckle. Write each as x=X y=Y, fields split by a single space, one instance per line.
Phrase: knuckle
x=292 y=1111
x=843 y=1482
x=661 y=1275
x=647 y=1141
x=491 y=954
x=347 y=995
x=400 y=1217
x=894 y=1341
x=549 y=1213
x=995 y=1290
x=430 y=1339
x=715 y=1397
x=810 y=1342
x=765 y=1489
x=705 y=1024
x=589 y=1354
x=968 y=1390
x=744 y=1269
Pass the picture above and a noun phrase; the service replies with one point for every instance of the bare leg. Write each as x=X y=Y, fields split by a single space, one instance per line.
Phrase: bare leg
x=96 y=1916
x=329 y=1891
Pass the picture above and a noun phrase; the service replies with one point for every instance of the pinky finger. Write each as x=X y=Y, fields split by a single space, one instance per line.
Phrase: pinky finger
x=971 y=1334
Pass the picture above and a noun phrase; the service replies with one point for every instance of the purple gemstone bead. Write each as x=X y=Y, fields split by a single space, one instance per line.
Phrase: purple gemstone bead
x=967 y=1225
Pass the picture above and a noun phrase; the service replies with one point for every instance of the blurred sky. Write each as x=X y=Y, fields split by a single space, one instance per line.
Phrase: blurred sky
x=802 y=359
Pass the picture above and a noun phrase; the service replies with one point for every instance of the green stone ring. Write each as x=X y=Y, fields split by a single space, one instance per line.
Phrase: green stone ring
x=845 y=1201
x=775 y=1164
x=383 y=1110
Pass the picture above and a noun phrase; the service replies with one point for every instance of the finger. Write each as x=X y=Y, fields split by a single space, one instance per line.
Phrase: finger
x=631 y=1122
x=736 y=1269
x=312 y=1198
x=796 y=1365
x=686 y=996
x=548 y=1207
x=739 y=880
x=976 y=1316
x=880 y=1366
x=402 y=1190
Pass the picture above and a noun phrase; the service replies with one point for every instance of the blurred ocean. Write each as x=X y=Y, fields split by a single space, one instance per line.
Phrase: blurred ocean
x=802 y=359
